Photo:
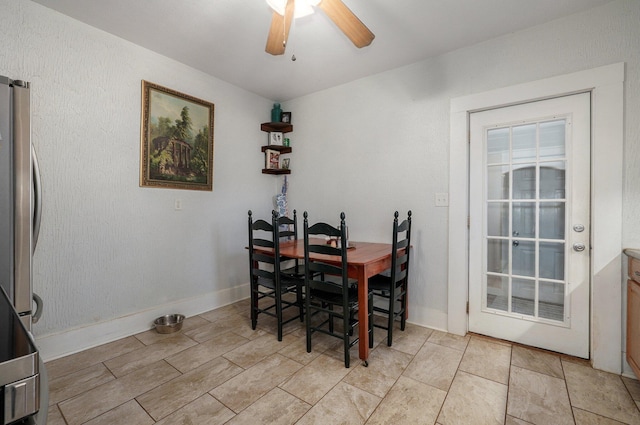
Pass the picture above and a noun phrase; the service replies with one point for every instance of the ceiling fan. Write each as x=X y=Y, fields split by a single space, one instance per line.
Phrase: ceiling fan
x=336 y=10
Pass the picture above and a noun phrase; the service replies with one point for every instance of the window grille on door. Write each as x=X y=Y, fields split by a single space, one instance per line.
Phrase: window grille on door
x=525 y=214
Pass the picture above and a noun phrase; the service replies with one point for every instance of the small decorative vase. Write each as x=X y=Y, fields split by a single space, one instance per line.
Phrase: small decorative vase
x=276 y=113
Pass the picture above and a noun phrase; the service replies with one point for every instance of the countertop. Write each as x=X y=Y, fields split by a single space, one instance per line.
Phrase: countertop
x=635 y=253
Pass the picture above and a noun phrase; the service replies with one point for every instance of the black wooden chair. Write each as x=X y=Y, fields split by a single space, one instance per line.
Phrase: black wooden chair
x=267 y=281
x=392 y=285
x=329 y=293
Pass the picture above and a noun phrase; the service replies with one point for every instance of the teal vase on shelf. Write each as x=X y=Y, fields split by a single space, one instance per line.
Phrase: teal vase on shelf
x=276 y=113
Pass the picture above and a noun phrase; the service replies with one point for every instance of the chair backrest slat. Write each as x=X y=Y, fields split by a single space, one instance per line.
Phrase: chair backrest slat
x=403 y=243
x=262 y=225
x=263 y=258
x=325 y=249
x=324 y=229
x=319 y=267
x=263 y=242
x=263 y=273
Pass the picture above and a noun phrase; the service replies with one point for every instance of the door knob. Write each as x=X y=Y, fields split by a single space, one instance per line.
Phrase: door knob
x=578 y=247
x=578 y=228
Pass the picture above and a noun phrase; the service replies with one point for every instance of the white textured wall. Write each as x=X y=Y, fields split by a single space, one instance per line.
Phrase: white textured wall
x=381 y=143
x=109 y=248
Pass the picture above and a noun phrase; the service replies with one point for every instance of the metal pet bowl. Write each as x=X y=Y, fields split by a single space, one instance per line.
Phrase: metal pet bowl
x=169 y=323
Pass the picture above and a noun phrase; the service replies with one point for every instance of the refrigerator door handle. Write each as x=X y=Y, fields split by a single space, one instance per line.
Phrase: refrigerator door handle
x=37 y=195
x=39 y=308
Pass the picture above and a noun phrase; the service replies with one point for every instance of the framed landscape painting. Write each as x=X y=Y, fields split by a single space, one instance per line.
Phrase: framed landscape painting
x=176 y=148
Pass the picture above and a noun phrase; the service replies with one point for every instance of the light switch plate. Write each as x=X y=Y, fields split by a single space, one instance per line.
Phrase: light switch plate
x=442 y=199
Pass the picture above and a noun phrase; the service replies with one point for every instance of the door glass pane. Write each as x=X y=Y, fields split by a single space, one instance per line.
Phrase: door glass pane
x=498 y=182
x=498 y=145
x=498 y=292
x=498 y=255
x=524 y=220
x=552 y=138
x=524 y=258
x=523 y=296
x=552 y=260
x=552 y=182
x=551 y=304
x=552 y=220
x=498 y=219
x=524 y=142
x=524 y=182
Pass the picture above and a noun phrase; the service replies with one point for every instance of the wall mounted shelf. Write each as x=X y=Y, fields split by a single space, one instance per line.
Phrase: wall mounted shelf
x=282 y=127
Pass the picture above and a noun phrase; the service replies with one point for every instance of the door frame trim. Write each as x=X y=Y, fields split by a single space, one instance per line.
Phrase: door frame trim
x=606 y=84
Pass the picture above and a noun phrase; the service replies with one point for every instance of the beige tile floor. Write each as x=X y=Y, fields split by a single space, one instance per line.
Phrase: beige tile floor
x=219 y=371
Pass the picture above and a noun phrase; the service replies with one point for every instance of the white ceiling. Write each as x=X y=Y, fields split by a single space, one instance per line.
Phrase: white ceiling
x=226 y=38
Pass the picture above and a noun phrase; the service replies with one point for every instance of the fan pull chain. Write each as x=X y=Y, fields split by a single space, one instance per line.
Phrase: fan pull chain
x=292 y=30
x=284 y=31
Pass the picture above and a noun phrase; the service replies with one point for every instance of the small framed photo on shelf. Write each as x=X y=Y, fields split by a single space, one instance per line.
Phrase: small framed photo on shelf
x=286 y=117
x=285 y=163
x=275 y=138
x=272 y=159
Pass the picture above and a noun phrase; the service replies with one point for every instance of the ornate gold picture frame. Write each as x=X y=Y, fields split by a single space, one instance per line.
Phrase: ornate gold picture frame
x=176 y=147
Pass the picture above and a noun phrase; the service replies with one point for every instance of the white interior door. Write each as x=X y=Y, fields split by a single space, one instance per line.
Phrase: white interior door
x=529 y=224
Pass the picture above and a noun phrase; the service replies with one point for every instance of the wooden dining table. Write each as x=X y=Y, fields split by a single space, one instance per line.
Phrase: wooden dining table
x=364 y=259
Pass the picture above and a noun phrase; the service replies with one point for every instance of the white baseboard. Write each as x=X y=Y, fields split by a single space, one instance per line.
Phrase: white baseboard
x=71 y=341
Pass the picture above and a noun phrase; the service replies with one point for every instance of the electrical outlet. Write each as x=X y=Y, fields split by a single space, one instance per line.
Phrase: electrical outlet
x=442 y=199
x=178 y=204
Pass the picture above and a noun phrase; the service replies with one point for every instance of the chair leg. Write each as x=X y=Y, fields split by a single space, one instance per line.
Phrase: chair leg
x=370 y=314
x=278 y=295
x=392 y=304
x=307 y=304
x=345 y=338
x=300 y=302
x=403 y=300
x=254 y=306
x=331 y=318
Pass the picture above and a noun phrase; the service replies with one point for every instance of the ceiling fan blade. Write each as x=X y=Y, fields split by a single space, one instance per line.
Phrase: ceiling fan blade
x=348 y=23
x=279 y=30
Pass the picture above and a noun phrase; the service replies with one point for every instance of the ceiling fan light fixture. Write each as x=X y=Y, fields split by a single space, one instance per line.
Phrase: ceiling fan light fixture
x=277 y=5
x=285 y=12
x=302 y=7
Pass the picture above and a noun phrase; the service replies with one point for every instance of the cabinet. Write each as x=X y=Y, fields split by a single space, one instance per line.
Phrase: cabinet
x=270 y=127
x=633 y=311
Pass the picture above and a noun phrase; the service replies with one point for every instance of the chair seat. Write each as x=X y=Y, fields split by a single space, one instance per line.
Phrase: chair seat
x=353 y=283
x=380 y=282
x=285 y=282
x=333 y=297
x=294 y=271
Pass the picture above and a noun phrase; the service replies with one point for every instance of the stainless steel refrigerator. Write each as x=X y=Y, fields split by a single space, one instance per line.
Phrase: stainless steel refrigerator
x=23 y=383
